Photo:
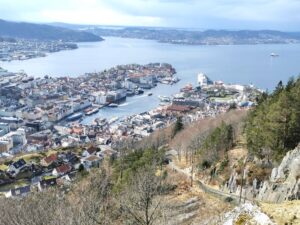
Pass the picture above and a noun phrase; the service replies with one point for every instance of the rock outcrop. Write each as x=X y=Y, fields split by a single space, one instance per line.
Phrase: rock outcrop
x=284 y=183
x=246 y=214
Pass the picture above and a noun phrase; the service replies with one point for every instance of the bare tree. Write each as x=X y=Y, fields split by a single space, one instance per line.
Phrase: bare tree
x=141 y=202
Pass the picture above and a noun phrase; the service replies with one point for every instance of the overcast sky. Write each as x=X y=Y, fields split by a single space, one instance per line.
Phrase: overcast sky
x=227 y=14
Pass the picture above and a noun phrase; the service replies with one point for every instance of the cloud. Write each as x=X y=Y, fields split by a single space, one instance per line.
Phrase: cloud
x=235 y=14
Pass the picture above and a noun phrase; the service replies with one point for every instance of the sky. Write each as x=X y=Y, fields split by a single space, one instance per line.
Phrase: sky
x=203 y=14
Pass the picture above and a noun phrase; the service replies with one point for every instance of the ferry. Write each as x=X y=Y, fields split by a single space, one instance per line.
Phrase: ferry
x=91 y=111
x=274 y=54
x=75 y=116
x=164 y=98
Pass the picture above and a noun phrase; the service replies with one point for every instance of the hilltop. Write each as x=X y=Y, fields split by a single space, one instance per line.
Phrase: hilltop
x=43 y=32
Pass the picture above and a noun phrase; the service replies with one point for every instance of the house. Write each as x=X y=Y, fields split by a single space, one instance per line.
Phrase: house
x=90 y=151
x=91 y=161
x=18 y=192
x=69 y=157
x=61 y=170
x=46 y=183
x=108 y=152
x=15 y=167
x=49 y=160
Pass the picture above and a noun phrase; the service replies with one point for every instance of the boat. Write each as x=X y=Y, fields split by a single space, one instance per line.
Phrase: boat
x=91 y=111
x=139 y=91
x=164 y=98
x=75 y=116
x=274 y=54
x=149 y=93
x=113 y=105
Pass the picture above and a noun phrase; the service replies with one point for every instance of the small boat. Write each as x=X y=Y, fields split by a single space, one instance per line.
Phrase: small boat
x=113 y=105
x=139 y=91
x=149 y=93
x=75 y=116
x=274 y=54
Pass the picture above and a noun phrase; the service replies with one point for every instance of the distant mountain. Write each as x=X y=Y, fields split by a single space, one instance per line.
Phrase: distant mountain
x=207 y=37
x=44 y=32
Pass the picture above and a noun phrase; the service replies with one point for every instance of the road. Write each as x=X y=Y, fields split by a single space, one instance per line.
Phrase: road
x=204 y=187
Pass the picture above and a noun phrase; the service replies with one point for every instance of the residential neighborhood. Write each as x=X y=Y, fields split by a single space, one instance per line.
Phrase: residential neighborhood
x=43 y=141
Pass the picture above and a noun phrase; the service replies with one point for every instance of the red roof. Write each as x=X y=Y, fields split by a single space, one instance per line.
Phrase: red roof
x=91 y=150
x=50 y=158
x=64 y=168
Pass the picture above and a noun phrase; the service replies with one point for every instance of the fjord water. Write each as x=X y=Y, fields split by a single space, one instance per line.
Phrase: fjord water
x=243 y=64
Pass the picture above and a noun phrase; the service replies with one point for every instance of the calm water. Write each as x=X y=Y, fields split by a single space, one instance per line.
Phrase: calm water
x=243 y=64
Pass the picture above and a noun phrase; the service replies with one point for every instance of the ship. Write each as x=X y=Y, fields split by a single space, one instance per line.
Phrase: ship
x=274 y=54
x=91 y=111
x=75 y=116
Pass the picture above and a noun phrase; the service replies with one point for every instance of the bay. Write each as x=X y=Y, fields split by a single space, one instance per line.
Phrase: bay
x=244 y=64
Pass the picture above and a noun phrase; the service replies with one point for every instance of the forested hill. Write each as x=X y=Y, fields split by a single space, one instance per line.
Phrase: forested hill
x=207 y=37
x=44 y=32
x=273 y=128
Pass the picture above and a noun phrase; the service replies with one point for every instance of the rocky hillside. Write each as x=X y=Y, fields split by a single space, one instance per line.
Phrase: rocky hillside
x=284 y=183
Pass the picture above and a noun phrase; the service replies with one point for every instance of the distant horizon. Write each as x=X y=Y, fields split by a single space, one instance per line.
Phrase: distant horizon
x=55 y=23
x=280 y=15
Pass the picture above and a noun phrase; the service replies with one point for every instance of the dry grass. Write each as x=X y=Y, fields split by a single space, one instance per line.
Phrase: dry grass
x=286 y=213
x=208 y=207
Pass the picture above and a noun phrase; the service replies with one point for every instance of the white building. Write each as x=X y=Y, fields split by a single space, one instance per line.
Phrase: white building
x=203 y=80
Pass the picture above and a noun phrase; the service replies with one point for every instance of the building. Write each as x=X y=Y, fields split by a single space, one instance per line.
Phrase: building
x=18 y=192
x=49 y=160
x=62 y=170
x=46 y=183
x=4 y=129
x=16 y=167
x=91 y=161
x=203 y=80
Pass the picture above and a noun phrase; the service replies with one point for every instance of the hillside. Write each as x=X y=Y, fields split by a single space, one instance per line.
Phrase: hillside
x=207 y=37
x=44 y=32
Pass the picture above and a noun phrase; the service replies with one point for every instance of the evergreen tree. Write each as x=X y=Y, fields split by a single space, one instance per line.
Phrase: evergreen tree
x=178 y=126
